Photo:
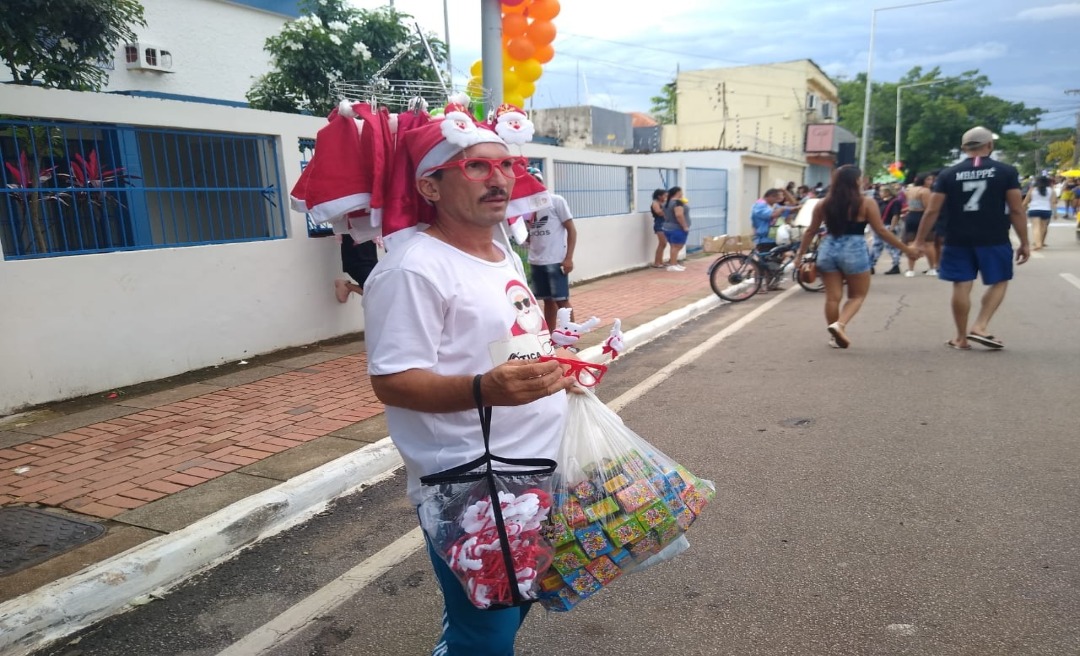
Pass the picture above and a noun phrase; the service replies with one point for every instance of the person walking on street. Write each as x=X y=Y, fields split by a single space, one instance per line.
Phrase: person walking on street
x=918 y=195
x=842 y=254
x=1041 y=203
x=445 y=305
x=676 y=226
x=982 y=198
x=552 y=240
x=656 y=208
x=890 y=216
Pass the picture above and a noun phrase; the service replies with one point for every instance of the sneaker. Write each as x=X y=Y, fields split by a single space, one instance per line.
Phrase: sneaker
x=832 y=343
x=909 y=274
x=341 y=291
x=931 y=272
x=893 y=271
x=676 y=267
x=836 y=329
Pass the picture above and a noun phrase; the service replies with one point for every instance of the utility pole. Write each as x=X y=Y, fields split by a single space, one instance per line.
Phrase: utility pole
x=1076 y=140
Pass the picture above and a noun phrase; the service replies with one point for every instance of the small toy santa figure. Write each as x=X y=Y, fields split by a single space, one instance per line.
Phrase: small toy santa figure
x=512 y=124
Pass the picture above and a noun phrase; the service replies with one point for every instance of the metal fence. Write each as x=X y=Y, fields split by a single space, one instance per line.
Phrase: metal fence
x=706 y=190
x=650 y=179
x=74 y=188
x=593 y=189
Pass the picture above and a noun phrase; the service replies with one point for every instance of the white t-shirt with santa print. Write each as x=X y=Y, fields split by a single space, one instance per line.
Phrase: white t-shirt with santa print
x=547 y=233
x=430 y=306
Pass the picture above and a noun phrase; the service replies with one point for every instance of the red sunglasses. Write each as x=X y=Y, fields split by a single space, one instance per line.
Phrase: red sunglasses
x=587 y=373
x=480 y=169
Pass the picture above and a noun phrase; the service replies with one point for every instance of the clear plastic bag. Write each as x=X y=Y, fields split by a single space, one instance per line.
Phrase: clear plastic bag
x=619 y=505
x=497 y=551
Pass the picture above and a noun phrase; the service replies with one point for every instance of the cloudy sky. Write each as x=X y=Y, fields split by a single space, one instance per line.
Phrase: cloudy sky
x=609 y=55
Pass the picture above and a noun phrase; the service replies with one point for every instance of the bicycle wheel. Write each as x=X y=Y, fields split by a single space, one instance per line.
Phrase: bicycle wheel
x=734 y=277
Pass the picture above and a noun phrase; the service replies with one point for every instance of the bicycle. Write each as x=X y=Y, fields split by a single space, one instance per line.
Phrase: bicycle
x=736 y=277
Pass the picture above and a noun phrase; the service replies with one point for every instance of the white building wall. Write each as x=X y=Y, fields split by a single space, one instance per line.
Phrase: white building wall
x=76 y=325
x=216 y=47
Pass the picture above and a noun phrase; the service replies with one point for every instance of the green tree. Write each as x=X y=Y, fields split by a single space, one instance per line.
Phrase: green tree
x=664 y=106
x=934 y=117
x=333 y=42
x=61 y=43
x=1059 y=154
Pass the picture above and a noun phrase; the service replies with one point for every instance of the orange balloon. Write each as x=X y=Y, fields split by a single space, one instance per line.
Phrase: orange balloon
x=520 y=48
x=515 y=9
x=544 y=53
x=544 y=9
x=514 y=25
x=541 y=33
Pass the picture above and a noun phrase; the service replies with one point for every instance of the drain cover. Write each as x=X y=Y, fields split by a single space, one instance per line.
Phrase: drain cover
x=28 y=537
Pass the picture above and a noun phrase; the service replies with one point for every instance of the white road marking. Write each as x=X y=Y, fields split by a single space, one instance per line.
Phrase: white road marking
x=287 y=625
x=1071 y=279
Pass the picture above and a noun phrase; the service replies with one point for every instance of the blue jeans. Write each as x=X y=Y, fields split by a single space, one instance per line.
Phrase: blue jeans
x=467 y=630
x=879 y=245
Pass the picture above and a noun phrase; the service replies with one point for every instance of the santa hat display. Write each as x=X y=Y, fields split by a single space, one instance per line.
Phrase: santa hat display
x=362 y=178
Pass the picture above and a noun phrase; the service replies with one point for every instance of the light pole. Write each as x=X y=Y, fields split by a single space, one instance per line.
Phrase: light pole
x=864 y=138
x=896 y=155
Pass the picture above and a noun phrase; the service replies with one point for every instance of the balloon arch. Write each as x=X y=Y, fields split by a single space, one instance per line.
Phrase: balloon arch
x=527 y=33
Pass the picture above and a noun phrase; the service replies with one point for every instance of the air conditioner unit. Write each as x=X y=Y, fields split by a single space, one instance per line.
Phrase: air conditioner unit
x=147 y=57
x=811 y=101
x=826 y=110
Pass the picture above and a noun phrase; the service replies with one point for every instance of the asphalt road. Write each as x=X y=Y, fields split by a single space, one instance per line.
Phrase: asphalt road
x=898 y=497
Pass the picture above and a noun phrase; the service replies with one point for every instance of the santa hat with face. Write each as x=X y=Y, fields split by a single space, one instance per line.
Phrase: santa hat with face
x=423 y=145
x=511 y=123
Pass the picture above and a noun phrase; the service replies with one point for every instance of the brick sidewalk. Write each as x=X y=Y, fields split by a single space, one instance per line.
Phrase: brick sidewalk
x=161 y=444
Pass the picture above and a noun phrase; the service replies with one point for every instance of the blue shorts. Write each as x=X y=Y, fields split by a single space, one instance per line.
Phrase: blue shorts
x=549 y=282
x=847 y=254
x=1039 y=214
x=468 y=629
x=677 y=237
x=963 y=263
x=658 y=225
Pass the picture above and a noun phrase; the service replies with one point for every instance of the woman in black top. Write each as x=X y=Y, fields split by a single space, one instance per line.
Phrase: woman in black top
x=659 y=199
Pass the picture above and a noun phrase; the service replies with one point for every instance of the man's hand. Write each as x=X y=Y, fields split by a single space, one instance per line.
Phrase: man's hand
x=1023 y=253
x=567 y=266
x=518 y=382
x=918 y=247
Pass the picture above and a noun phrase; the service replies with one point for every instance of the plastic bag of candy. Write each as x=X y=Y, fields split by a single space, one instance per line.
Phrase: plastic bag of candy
x=619 y=505
x=496 y=550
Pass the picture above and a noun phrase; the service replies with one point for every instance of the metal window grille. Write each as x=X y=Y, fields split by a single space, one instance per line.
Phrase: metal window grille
x=306 y=146
x=74 y=188
x=593 y=189
x=649 y=180
x=707 y=192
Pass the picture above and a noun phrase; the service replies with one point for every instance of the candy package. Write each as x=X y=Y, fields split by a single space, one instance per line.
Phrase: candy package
x=619 y=505
x=496 y=550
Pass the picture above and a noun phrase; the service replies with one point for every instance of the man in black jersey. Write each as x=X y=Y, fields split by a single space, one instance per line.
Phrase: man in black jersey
x=982 y=199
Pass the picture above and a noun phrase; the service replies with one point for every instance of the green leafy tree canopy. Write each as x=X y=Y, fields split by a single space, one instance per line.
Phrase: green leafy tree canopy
x=663 y=106
x=334 y=42
x=61 y=43
x=934 y=117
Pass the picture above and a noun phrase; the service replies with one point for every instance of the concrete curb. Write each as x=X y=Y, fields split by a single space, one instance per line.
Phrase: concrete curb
x=73 y=603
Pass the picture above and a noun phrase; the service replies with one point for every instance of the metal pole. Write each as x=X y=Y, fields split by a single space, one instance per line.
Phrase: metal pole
x=896 y=153
x=865 y=137
x=446 y=37
x=491 y=51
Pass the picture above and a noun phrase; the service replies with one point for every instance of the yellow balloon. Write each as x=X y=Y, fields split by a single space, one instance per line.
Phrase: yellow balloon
x=475 y=87
x=514 y=99
x=477 y=68
x=526 y=89
x=529 y=70
x=510 y=82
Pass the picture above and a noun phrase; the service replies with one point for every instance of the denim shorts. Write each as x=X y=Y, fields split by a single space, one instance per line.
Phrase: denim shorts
x=964 y=263
x=846 y=254
x=676 y=237
x=548 y=281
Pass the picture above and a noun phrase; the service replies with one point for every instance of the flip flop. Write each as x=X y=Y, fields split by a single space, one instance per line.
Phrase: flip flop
x=989 y=341
x=953 y=345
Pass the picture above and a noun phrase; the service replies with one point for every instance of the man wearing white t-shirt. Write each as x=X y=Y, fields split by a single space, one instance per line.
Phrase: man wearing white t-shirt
x=447 y=304
x=552 y=238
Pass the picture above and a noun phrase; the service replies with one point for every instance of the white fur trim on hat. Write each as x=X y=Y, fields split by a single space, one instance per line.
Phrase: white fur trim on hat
x=446 y=149
x=345 y=108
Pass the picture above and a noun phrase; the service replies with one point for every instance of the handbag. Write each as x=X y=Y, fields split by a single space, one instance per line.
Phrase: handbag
x=496 y=550
x=808 y=272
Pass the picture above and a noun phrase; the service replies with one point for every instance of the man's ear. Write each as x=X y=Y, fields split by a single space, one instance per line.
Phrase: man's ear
x=428 y=188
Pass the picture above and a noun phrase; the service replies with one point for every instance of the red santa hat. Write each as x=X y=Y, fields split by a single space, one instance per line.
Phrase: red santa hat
x=512 y=124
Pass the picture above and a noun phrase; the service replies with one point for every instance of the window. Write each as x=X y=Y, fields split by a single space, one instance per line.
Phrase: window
x=75 y=188
x=131 y=54
x=593 y=189
x=811 y=101
x=826 y=110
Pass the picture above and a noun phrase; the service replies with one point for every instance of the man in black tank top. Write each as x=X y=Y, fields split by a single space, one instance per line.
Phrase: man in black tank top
x=982 y=199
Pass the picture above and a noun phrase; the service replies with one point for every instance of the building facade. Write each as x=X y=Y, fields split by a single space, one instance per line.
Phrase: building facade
x=198 y=49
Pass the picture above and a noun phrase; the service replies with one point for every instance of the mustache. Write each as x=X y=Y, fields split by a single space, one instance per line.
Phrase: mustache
x=495 y=193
